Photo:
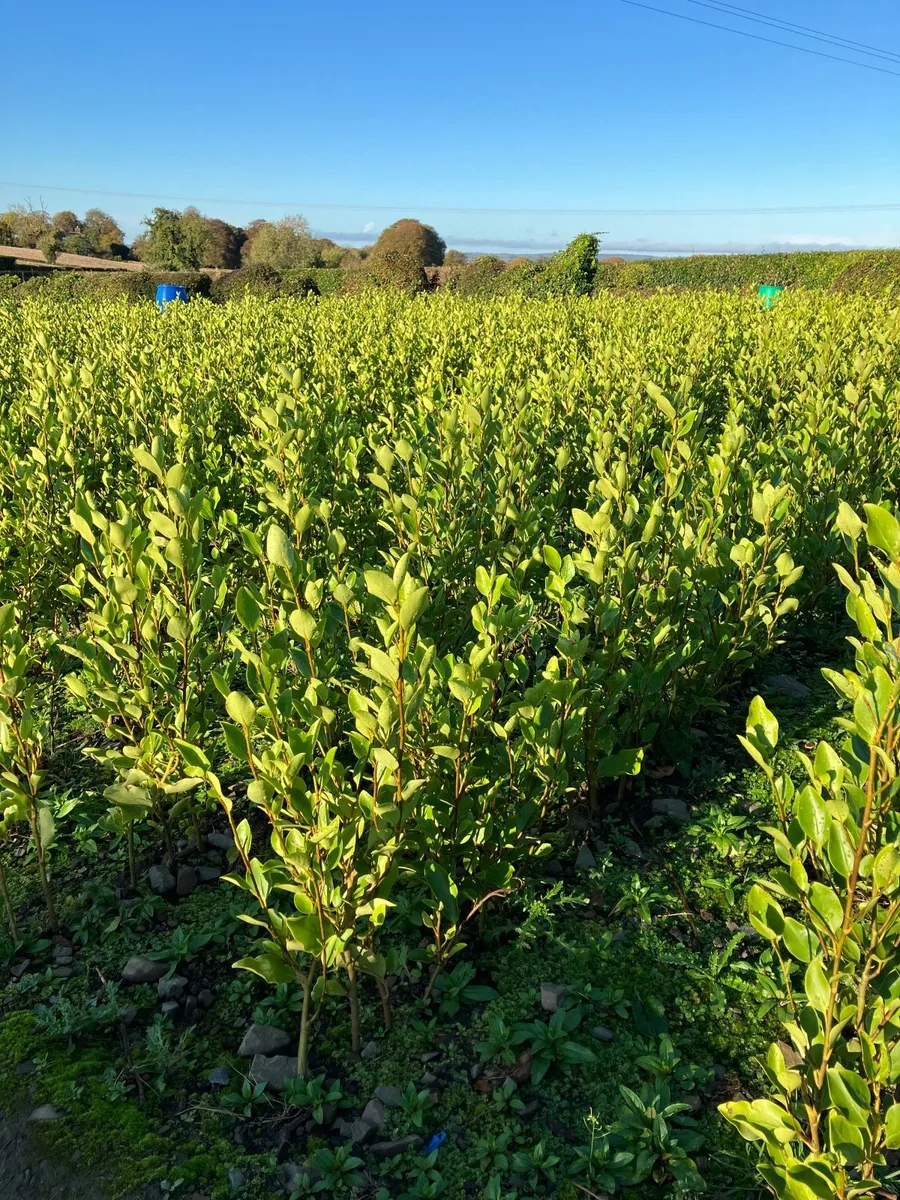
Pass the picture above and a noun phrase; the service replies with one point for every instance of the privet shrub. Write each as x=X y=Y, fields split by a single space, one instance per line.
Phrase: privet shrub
x=571 y=272
x=832 y=910
x=481 y=277
x=298 y=283
x=258 y=279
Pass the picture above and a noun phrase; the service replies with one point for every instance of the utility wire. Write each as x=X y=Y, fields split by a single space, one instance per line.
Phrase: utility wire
x=749 y=14
x=297 y=205
x=758 y=37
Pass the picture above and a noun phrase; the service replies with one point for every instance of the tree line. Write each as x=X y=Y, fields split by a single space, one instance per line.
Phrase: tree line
x=187 y=240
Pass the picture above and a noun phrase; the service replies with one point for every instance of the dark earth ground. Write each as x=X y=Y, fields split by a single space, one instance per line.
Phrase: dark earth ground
x=26 y=1173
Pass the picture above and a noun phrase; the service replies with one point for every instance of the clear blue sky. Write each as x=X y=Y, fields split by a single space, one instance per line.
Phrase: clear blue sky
x=471 y=105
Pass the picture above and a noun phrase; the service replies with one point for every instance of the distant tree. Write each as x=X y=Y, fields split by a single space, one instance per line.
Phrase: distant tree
x=77 y=243
x=411 y=239
x=279 y=244
x=139 y=247
x=7 y=230
x=223 y=248
x=66 y=222
x=28 y=224
x=175 y=241
x=402 y=252
x=102 y=231
x=50 y=244
x=454 y=258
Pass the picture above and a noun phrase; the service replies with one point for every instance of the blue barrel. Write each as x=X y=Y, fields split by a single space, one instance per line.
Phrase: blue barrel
x=167 y=293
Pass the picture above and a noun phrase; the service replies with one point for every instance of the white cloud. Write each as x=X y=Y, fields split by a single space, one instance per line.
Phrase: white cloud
x=369 y=227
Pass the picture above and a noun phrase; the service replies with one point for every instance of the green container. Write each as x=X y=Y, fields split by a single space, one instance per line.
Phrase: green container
x=769 y=292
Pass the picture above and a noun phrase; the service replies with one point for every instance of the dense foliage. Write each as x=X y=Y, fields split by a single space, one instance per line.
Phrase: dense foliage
x=401 y=591
x=843 y=270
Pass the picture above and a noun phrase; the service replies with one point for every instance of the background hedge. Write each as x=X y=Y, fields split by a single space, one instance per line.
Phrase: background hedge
x=843 y=270
x=571 y=271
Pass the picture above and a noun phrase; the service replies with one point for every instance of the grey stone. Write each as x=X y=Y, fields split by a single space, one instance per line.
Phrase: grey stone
x=143 y=970
x=374 y=1114
x=221 y=841
x=272 y=1070
x=428 y=1079
x=170 y=1009
x=552 y=996
x=63 y=953
x=208 y=874
x=585 y=860
x=530 y=1109
x=128 y=1015
x=220 y=1076
x=384 y=1150
x=206 y=998
x=190 y=1006
x=671 y=806
x=19 y=969
x=787 y=685
x=369 y=1050
x=602 y=1034
x=719 y=1072
x=46 y=1112
x=62 y=972
x=389 y=1096
x=263 y=1039
x=476 y=1071
x=554 y=868
x=187 y=880
x=236 y=1179
x=28 y=1067
x=161 y=880
x=172 y=988
x=430 y=1056
x=360 y=1131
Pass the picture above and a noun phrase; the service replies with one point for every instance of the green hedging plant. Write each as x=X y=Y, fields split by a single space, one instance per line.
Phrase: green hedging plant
x=153 y=602
x=23 y=732
x=832 y=910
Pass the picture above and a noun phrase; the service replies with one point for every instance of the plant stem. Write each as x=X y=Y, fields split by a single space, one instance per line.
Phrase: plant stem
x=303 y=1045
x=353 y=997
x=42 y=868
x=386 y=1010
x=132 y=869
x=10 y=912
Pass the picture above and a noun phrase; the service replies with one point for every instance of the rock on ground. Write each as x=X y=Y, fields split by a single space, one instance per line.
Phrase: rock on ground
x=143 y=970
x=585 y=860
x=552 y=996
x=161 y=880
x=382 y=1150
x=264 y=1039
x=272 y=1069
x=787 y=685
x=671 y=806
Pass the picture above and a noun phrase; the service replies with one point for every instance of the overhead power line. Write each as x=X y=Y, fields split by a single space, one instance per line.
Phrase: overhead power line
x=298 y=205
x=758 y=37
x=833 y=39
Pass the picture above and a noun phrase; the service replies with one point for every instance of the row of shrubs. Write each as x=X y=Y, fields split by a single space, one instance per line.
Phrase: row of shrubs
x=142 y=285
x=573 y=271
x=840 y=270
